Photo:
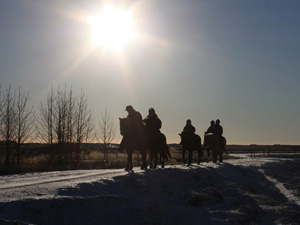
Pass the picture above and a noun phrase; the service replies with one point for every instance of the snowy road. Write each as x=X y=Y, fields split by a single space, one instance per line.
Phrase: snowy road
x=45 y=185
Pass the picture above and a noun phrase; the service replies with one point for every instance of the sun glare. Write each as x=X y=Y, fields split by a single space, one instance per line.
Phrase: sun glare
x=112 y=28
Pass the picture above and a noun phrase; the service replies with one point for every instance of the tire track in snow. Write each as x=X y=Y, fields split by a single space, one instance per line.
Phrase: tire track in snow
x=280 y=186
x=57 y=179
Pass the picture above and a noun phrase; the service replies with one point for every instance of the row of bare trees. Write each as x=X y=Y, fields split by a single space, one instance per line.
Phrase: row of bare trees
x=16 y=122
x=64 y=121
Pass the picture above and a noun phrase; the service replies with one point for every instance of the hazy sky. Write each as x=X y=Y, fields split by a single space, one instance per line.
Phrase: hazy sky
x=233 y=60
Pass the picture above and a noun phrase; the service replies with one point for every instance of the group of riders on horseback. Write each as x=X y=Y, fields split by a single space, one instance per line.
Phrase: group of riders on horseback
x=144 y=135
x=213 y=141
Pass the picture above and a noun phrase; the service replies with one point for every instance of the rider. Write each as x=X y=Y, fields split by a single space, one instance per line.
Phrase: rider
x=187 y=140
x=134 y=116
x=188 y=131
x=135 y=119
x=152 y=121
x=218 y=131
x=153 y=124
x=189 y=127
x=211 y=128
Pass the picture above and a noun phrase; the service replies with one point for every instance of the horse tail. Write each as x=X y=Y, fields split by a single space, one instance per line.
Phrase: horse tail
x=166 y=153
x=224 y=145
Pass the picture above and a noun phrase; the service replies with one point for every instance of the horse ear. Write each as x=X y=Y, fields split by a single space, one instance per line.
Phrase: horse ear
x=120 y=118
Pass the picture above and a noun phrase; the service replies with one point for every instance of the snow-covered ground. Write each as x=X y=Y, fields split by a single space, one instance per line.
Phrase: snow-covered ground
x=242 y=190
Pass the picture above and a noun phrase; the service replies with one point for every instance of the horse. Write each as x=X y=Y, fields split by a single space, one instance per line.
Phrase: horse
x=157 y=144
x=216 y=145
x=143 y=141
x=132 y=142
x=190 y=142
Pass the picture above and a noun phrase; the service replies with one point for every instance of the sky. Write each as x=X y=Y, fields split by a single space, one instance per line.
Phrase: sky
x=233 y=60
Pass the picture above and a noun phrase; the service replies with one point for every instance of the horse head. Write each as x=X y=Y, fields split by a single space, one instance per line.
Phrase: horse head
x=123 y=126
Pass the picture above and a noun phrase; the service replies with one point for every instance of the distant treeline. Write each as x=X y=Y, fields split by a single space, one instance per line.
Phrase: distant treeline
x=261 y=148
x=63 y=121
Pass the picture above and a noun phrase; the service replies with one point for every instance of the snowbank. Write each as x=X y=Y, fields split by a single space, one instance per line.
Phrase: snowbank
x=241 y=190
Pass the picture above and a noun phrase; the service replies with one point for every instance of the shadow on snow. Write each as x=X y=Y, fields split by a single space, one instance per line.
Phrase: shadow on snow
x=227 y=194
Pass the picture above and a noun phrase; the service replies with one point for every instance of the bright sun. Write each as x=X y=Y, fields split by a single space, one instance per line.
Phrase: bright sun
x=112 y=28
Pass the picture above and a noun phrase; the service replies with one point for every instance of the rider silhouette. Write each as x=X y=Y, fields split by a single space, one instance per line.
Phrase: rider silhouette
x=153 y=125
x=189 y=127
x=136 y=123
x=218 y=129
x=211 y=128
x=133 y=116
x=152 y=121
x=188 y=130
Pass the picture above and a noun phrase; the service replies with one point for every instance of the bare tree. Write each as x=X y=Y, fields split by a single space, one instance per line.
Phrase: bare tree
x=71 y=117
x=24 y=121
x=46 y=122
x=66 y=121
x=60 y=122
x=8 y=122
x=107 y=132
x=84 y=119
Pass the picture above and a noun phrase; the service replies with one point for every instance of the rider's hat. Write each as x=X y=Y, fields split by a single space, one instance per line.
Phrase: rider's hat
x=151 y=110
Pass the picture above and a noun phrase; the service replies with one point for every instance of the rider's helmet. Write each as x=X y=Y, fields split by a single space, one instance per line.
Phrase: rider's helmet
x=188 y=121
x=212 y=122
x=217 y=121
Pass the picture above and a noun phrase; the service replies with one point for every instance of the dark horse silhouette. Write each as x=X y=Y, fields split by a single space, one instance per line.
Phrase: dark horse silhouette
x=190 y=142
x=217 y=146
x=143 y=141
x=132 y=142
x=157 y=145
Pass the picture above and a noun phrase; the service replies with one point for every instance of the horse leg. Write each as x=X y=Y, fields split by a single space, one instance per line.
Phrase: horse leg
x=129 y=161
x=199 y=156
x=155 y=158
x=221 y=155
x=190 y=157
x=151 y=158
x=144 y=164
x=207 y=149
x=183 y=156
x=215 y=155
x=162 y=159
